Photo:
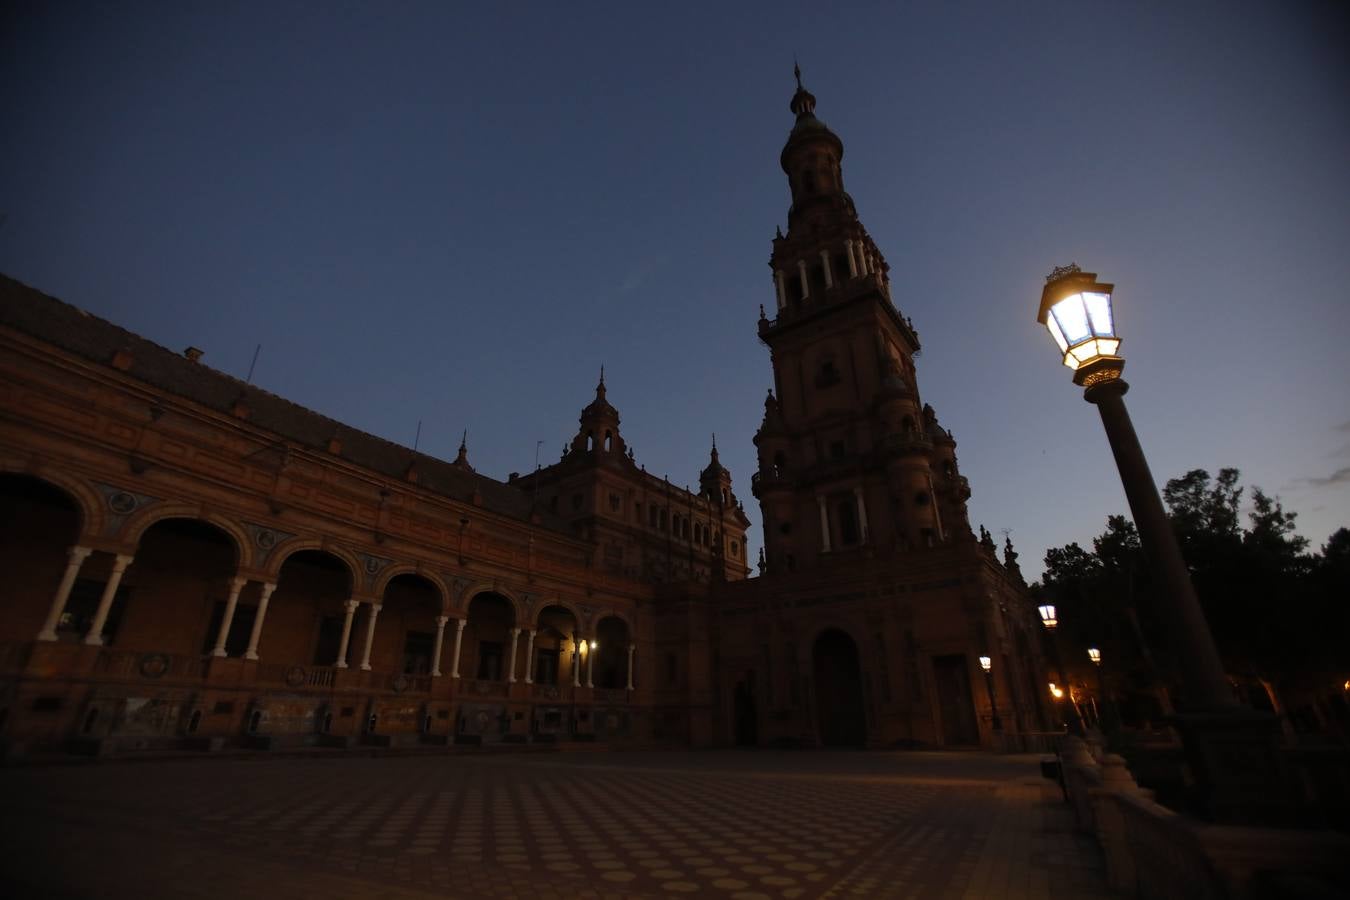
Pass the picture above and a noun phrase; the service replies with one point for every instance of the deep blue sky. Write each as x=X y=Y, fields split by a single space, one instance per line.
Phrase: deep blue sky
x=458 y=212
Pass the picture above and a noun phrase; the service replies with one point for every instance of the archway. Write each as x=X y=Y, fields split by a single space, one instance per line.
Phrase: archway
x=38 y=525
x=841 y=721
x=405 y=634
x=175 y=594
x=488 y=641
x=311 y=584
x=611 y=653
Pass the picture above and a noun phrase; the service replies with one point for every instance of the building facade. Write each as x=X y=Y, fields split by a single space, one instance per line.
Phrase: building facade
x=194 y=562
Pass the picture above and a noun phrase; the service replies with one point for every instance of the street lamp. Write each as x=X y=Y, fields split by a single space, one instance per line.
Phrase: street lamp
x=988 y=664
x=1077 y=311
x=1096 y=656
x=1048 y=617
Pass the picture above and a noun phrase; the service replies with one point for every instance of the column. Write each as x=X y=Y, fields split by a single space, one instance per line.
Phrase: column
x=862 y=510
x=825 y=262
x=77 y=557
x=511 y=667
x=801 y=272
x=436 y=649
x=824 y=525
x=236 y=585
x=852 y=263
x=350 y=606
x=576 y=661
x=252 y=651
x=529 y=658
x=370 y=636
x=95 y=635
x=459 y=637
x=631 y=648
x=781 y=287
x=590 y=668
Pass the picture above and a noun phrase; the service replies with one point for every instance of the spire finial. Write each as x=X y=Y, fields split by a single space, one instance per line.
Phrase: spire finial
x=714 y=435
x=464 y=441
x=803 y=103
x=602 y=373
x=797 y=71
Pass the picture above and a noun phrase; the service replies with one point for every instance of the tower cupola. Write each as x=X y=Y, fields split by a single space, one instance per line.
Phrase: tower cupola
x=599 y=421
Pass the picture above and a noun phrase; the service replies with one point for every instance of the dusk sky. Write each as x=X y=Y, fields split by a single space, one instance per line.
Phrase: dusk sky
x=456 y=213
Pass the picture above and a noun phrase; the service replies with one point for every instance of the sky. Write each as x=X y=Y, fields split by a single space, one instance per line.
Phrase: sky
x=455 y=213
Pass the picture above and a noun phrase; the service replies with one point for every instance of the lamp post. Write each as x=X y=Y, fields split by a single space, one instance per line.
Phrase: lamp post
x=1051 y=621
x=988 y=664
x=1222 y=738
x=1106 y=719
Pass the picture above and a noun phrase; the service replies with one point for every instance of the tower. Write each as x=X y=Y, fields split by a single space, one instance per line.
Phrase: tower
x=850 y=458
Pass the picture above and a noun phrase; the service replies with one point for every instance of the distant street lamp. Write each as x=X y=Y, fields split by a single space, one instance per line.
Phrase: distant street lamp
x=988 y=664
x=1216 y=729
x=1049 y=620
x=1096 y=656
x=1048 y=616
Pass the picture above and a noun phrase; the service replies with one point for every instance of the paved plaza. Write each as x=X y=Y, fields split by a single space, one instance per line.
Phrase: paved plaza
x=699 y=824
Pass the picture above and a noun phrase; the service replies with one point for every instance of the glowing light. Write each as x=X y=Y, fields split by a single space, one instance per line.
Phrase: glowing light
x=594 y=645
x=1080 y=321
x=1048 y=615
x=986 y=663
x=1095 y=655
x=1056 y=691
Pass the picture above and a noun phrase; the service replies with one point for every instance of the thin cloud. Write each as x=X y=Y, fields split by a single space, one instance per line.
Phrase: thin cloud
x=1339 y=477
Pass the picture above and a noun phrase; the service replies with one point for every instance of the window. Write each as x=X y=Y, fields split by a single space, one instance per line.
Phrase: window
x=545 y=666
x=590 y=441
x=553 y=503
x=735 y=549
x=615 y=502
x=489 y=661
x=927 y=536
x=785 y=528
x=417 y=649
x=848 y=521
x=576 y=502
x=609 y=441
x=651 y=516
x=827 y=374
x=329 y=640
x=837 y=450
x=921 y=498
x=662 y=520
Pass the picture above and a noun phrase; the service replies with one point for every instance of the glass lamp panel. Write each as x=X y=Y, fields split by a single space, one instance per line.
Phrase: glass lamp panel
x=1099 y=312
x=985 y=663
x=1072 y=318
x=1055 y=333
x=1109 y=346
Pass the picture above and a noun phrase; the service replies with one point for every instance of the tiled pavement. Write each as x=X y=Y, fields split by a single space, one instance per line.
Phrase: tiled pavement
x=723 y=824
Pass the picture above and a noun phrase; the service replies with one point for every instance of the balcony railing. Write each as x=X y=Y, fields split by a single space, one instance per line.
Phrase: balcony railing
x=297 y=676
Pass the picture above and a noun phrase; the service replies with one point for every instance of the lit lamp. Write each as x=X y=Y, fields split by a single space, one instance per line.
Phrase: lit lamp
x=594 y=645
x=988 y=664
x=1056 y=691
x=1048 y=616
x=1077 y=311
x=1095 y=655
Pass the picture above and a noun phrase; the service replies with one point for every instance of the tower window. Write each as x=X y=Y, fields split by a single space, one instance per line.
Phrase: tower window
x=576 y=502
x=615 y=501
x=848 y=521
x=828 y=374
x=590 y=441
x=735 y=549
x=609 y=441
x=921 y=498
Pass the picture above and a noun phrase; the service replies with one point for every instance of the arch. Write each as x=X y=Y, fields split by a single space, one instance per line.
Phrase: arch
x=836 y=665
x=292 y=546
x=614 y=634
x=560 y=604
x=86 y=499
x=609 y=441
x=142 y=521
x=389 y=574
x=487 y=587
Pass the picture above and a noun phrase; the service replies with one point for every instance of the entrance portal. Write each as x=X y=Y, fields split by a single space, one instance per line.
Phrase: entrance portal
x=954 y=701
x=839 y=691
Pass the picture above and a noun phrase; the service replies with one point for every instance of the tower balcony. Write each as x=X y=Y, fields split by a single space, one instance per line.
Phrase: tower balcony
x=842 y=292
x=913 y=443
x=768 y=481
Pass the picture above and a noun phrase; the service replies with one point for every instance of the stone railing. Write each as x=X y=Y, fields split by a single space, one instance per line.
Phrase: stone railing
x=148 y=665
x=475 y=687
x=1154 y=852
x=400 y=683
x=609 y=695
x=558 y=693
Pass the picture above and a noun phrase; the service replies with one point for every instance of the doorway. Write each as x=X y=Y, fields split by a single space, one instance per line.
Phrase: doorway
x=839 y=691
x=955 y=705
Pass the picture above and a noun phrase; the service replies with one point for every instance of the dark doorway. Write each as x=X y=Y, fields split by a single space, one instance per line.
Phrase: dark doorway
x=746 y=713
x=954 y=701
x=839 y=691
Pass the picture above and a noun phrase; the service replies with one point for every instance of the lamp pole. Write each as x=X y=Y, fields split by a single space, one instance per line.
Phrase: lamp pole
x=1232 y=749
x=987 y=664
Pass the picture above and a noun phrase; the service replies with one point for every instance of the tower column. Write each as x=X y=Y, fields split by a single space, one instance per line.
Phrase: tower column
x=256 y=635
x=436 y=650
x=825 y=261
x=341 y=661
x=852 y=263
x=95 y=635
x=227 y=620
x=781 y=288
x=576 y=661
x=459 y=639
x=806 y=284
x=862 y=510
x=824 y=524
x=529 y=658
x=76 y=558
x=511 y=666
x=631 y=648
x=370 y=635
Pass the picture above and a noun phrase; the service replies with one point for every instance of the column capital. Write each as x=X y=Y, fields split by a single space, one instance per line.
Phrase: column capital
x=351 y=605
x=267 y=588
x=441 y=620
x=460 y=624
x=515 y=631
x=121 y=561
x=237 y=583
x=632 y=647
x=375 y=608
x=79 y=553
